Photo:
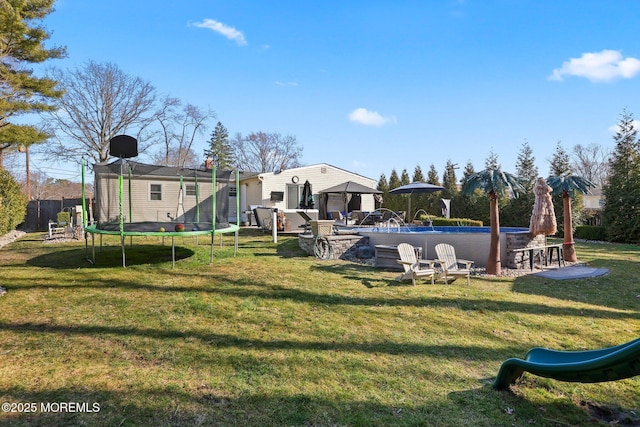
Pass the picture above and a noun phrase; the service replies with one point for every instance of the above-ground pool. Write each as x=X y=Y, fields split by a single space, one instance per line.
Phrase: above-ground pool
x=471 y=243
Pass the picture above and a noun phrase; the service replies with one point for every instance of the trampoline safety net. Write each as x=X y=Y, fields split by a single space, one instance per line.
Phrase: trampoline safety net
x=158 y=194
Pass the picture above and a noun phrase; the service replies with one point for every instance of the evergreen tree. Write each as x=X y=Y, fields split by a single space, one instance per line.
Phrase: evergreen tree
x=404 y=177
x=394 y=180
x=491 y=162
x=13 y=203
x=559 y=166
x=449 y=180
x=432 y=175
x=417 y=174
x=395 y=202
x=383 y=185
x=402 y=201
x=473 y=205
x=559 y=163
x=220 y=150
x=468 y=171
x=517 y=212
x=432 y=204
x=621 y=213
x=419 y=201
x=526 y=169
x=21 y=92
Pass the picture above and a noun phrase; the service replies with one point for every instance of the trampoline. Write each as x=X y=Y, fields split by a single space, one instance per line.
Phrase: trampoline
x=136 y=199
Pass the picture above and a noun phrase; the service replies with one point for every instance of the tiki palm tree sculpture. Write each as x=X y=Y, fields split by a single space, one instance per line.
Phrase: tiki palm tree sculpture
x=567 y=185
x=494 y=183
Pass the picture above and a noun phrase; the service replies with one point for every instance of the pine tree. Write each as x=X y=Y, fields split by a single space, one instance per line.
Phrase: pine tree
x=432 y=175
x=419 y=201
x=383 y=185
x=404 y=177
x=220 y=150
x=517 y=211
x=449 y=180
x=417 y=174
x=526 y=169
x=395 y=202
x=21 y=92
x=491 y=162
x=559 y=163
x=621 y=213
x=468 y=171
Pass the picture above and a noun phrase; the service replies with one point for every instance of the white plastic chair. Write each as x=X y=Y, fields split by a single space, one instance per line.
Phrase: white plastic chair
x=413 y=267
x=451 y=266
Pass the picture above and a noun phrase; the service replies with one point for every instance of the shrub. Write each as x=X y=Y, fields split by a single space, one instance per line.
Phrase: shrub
x=13 y=204
x=590 y=232
x=64 y=217
x=452 y=221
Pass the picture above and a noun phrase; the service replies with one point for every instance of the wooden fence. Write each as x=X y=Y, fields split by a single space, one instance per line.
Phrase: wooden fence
x=40 y=212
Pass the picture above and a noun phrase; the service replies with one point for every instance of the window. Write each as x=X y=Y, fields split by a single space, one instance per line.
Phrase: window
x=277 y=196
x=155 y=191
x=191 y=190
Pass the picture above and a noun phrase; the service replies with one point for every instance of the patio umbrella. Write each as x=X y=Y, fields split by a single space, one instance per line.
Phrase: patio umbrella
x=306 y=201
x=543 y=218
x=418 y=188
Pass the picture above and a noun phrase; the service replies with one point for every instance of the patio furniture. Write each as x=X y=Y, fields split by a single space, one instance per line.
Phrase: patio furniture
x=451 y=266
x=414 y=268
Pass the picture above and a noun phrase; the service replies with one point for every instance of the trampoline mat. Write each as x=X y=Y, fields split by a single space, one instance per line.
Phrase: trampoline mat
x=154 y=227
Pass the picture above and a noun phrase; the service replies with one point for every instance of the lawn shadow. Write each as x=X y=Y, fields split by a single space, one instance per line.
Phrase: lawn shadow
x=110 y=256
x=366 y=274
x=204 y=405
x=516 y=410
x=619 y=289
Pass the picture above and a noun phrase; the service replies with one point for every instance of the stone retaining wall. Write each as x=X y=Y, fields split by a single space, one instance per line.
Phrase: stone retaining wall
x=518 y=260
x=345 y=247
x=352 y=246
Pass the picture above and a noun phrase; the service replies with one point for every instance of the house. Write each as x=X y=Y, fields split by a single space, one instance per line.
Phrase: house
x=283 y=191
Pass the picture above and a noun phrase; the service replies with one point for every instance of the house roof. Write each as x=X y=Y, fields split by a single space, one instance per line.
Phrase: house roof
x=351 y=187
x=247 y=175
x=141 y=169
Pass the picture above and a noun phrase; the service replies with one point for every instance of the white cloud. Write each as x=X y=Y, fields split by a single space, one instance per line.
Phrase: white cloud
x=603 y=66
x=223 y=29
x=287 y=83
x=369 y=118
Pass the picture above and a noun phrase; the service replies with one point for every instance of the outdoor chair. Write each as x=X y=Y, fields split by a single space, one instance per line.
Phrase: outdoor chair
x=337 y=216
x=451 y=266
x=413 y=267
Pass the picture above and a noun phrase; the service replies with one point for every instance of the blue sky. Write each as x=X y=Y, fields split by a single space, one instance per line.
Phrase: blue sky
x=370 y=86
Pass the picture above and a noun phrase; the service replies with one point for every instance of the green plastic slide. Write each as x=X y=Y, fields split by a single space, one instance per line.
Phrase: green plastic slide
x=607 y=364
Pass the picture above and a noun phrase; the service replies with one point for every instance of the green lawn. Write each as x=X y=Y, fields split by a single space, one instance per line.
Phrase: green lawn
x=273 y=337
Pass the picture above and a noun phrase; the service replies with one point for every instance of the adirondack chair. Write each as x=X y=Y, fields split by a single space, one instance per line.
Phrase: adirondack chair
x=413 y=267
x=451 y=266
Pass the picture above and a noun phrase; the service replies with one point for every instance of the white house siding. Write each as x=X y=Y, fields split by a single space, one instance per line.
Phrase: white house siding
x=145 y=209
x=321 y=177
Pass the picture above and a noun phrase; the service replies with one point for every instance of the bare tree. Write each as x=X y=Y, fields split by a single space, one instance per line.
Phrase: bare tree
x=179 y=129
x=266 y=152
x=100 y=102
x=185 y=159
x=591 y=162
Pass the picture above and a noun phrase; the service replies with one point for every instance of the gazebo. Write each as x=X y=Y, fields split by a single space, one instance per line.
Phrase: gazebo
x=350 y=192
